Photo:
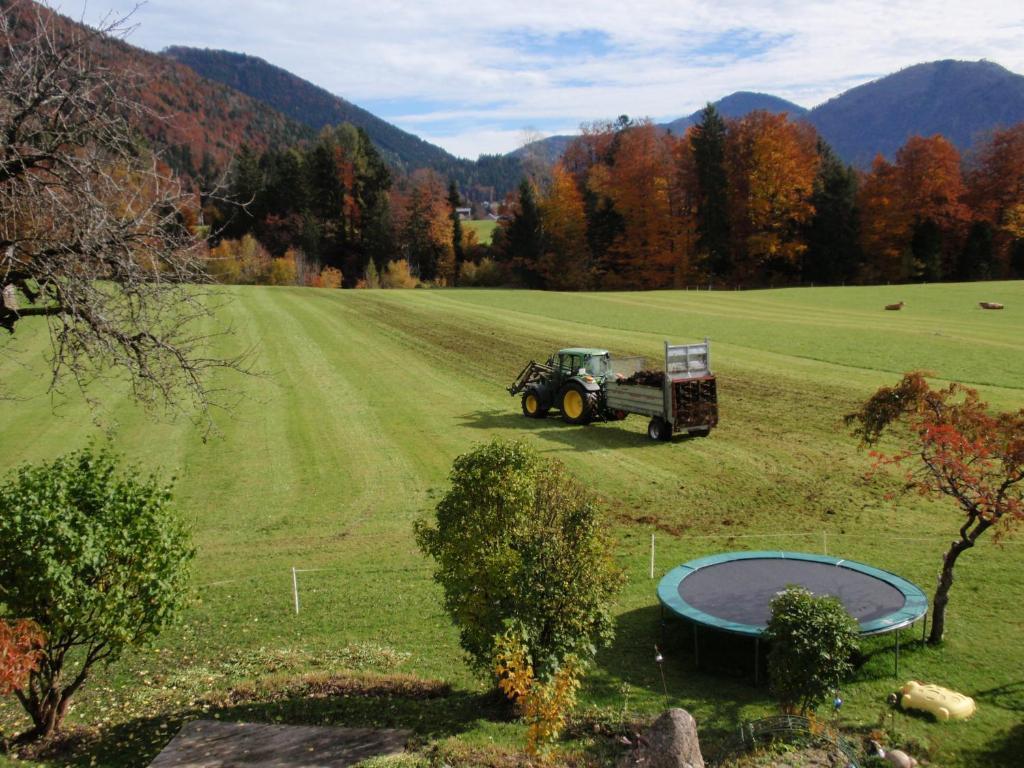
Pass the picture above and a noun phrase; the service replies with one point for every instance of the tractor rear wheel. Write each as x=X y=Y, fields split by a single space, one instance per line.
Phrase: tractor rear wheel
x=577 y=404
x=659 y=429
x=532 y=405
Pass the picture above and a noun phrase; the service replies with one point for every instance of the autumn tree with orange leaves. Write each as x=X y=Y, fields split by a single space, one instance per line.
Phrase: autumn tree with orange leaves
x=772 y=164
x=954 y=448
x=913 y=215
x=20 y=643
x=638 y=183
x=423 y=227
x=565 y=259
x=995 y=195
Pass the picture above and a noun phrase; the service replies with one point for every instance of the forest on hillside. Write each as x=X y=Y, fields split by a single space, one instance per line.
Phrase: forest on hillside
x=750 y=202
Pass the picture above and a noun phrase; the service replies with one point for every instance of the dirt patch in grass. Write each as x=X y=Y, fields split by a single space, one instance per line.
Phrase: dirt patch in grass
x=321 y=685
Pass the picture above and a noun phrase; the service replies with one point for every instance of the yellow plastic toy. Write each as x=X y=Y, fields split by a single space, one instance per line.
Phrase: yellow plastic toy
x=941 y=702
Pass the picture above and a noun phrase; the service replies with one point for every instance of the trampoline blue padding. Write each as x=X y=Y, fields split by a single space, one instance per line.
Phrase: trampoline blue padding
x=732 y=592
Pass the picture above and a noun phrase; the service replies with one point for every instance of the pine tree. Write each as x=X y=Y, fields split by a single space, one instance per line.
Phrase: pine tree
x=246 y=191
x=708 y=141
x=453 y=203
x=525 y=236
x=832 y=254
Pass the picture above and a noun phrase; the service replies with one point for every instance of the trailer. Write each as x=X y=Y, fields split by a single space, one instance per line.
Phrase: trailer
x=685 y=401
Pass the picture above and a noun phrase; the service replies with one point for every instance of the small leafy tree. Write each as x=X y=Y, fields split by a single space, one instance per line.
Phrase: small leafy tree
x=97 y=559
x=957 y=450
x=518 y=539
x=813 y=640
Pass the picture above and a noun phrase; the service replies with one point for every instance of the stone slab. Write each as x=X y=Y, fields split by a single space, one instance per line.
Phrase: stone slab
x=216 y=744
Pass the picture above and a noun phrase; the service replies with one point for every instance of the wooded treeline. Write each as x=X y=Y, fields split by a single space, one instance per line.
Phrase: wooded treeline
x=761 y=201
x=750 y=202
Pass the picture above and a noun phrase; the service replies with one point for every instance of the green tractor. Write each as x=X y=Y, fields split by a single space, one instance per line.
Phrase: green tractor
x=571 y=381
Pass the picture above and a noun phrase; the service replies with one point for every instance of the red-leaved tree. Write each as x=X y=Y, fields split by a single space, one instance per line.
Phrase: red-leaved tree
x=955 y=448
x=20 y=643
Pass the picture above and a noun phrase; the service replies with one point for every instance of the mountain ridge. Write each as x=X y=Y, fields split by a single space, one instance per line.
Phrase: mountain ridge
x=305 y=102
x=962 y=100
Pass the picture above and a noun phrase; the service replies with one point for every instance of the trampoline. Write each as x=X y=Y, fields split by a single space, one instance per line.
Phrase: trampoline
x=732 y=592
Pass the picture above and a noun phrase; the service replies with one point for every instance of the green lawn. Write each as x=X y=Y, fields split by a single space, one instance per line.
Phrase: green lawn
x=367 y=396
x=484 y=229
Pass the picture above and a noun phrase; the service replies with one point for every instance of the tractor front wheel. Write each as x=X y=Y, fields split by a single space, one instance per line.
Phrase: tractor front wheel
x=577 y=404
x=532 y=407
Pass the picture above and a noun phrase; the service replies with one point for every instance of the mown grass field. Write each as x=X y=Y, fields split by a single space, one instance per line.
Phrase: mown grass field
x=366 y=398
x=484 y=229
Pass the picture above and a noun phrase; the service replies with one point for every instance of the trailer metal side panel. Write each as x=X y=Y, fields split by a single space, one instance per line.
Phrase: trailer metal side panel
x=636 y=398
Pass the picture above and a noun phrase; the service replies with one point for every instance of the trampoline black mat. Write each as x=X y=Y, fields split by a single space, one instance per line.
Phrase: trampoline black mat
x=741 y=590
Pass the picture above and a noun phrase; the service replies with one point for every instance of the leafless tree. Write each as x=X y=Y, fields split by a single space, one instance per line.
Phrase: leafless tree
x=96 y=234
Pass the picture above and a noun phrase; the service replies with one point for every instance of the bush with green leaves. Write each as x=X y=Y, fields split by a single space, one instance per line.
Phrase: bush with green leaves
x=813 y=640
x=520 y=542
x=96 y=557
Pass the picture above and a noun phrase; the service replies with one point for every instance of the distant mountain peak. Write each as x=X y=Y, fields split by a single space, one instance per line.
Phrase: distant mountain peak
x=740 y=104
x=962 y=100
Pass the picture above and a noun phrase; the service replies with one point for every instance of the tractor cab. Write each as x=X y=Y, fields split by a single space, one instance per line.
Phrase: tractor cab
x=590 y=364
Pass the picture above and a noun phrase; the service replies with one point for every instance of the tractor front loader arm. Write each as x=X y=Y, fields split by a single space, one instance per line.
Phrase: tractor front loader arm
x=533 y=371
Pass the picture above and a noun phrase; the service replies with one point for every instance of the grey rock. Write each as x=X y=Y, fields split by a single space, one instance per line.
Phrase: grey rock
x=670 y=742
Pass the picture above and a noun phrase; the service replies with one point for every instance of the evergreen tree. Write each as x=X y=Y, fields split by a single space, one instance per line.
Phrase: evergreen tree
x=287 y=189
x=926 y=245
x=453 y=203
x=975 y=262
x=708 y=142
x=832 y=237
x=246 y=190
x=525 y=236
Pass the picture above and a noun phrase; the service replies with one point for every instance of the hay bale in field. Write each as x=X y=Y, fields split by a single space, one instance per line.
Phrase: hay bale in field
x=990 y=305
x=894 y=306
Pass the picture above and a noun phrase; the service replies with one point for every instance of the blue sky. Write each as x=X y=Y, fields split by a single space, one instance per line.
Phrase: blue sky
x=486 y=77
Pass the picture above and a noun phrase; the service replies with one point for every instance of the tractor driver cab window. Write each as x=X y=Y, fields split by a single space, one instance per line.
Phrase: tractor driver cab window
x=571 y=363
x=598 y=365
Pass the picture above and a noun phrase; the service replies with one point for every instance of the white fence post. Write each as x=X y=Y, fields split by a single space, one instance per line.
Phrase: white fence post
x=295 y=588
x=652 y=555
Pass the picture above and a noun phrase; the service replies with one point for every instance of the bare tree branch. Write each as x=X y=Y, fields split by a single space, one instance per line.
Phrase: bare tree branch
x=96 y=233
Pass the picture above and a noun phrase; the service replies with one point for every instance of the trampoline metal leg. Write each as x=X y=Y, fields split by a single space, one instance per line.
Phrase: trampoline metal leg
x=897 y=659
x=757 y=661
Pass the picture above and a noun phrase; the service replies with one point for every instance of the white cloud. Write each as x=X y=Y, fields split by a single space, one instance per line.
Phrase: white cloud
x=660 y=59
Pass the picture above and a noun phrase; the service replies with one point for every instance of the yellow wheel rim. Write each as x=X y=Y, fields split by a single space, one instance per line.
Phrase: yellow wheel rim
x=531 y=404
x=572 y=404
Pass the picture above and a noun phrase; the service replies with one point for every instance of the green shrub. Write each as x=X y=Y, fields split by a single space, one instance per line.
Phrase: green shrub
x=813 y=640
x=96 y=558
x=487 y=274
x=518 y=541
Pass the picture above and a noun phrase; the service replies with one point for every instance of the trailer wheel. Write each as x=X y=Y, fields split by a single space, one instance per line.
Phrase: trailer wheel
x=577 y=404
x=532 y=406
x=659 y=429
